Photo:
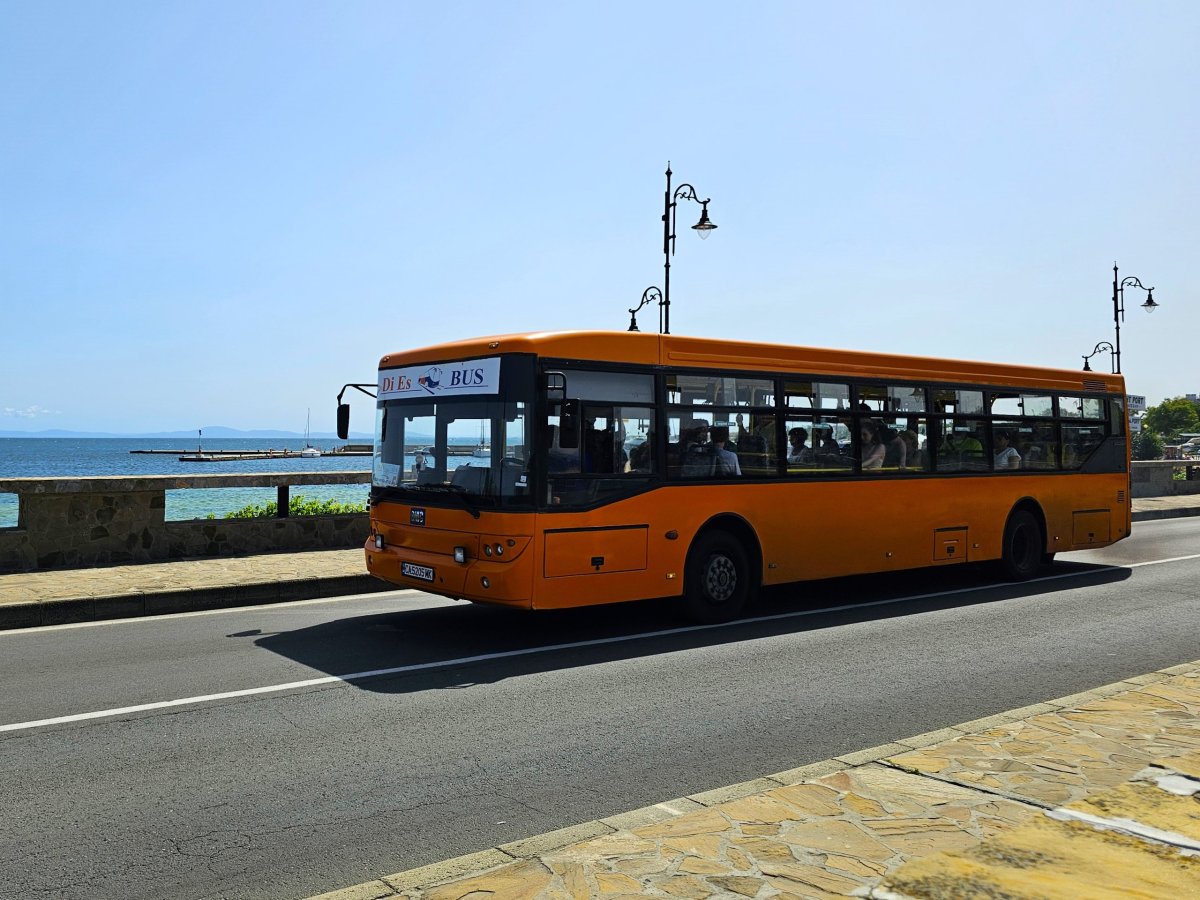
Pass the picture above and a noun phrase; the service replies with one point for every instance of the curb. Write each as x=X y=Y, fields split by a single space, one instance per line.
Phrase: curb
x=1149 y=515
x=393 y=887
x=136 y=604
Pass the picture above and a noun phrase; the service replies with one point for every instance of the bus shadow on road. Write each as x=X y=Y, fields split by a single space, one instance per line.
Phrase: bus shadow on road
x=461 y=646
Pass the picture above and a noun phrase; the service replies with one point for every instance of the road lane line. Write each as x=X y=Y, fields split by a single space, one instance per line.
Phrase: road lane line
x=258 y=607
x=546 y=648
x=1158 y=562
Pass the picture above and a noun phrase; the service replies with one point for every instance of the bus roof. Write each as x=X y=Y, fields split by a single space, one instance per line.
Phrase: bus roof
x=641 y=348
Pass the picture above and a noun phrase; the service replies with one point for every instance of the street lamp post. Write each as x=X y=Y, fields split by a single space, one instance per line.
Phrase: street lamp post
x=1102 y=347
x=1149 y=306
x=702 y=228
x=649 y=295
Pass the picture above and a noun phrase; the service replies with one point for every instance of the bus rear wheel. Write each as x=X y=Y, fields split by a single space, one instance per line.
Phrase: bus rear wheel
x=716 y=580
x=1024 y=546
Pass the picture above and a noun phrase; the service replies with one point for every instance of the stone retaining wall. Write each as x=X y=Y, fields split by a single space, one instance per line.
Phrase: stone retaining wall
x=1156 y=478
x=77 y=522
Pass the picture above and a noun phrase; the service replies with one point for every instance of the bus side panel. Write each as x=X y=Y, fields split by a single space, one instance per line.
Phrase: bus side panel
x=628 y=538
x=831 y=530
x=812 y=530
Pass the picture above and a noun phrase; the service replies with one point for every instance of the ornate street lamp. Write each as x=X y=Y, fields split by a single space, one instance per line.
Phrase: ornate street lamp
x=702 y=228
x=1102 y=347
x=1119 y=311
x=650 y=295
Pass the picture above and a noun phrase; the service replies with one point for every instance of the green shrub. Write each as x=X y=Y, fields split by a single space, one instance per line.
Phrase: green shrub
x=1147 y=445
x=297 y=506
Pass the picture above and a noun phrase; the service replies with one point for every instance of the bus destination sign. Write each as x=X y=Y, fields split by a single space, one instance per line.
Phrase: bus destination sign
x=474 y=376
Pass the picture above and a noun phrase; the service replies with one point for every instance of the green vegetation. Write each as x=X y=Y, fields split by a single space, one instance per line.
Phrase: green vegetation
x=1171 y=417
x=297 y=506
x=1147 y=445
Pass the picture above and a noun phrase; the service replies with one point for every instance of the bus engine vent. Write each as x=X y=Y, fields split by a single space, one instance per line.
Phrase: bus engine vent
x=1091 y=384
x=1120 y=496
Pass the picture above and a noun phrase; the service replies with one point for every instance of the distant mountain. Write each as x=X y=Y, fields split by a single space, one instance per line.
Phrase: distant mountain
x=211 y=431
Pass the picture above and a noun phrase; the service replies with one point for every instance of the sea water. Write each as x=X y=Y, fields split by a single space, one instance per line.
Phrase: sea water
x=82 y=457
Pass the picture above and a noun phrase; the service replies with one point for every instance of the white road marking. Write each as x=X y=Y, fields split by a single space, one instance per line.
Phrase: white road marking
x=1158 y=562
x=546 y=648
x=164 y=617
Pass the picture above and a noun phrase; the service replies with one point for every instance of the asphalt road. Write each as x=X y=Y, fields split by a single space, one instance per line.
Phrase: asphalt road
x=488 y=725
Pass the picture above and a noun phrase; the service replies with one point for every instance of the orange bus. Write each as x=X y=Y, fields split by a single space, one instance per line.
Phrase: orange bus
x=551 y=470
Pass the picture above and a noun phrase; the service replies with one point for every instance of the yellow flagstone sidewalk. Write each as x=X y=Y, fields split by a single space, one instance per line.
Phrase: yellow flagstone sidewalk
x=1007 y=806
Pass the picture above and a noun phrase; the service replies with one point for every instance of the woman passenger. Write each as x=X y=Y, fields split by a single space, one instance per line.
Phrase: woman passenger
x=872 y=449
x=1007 y=456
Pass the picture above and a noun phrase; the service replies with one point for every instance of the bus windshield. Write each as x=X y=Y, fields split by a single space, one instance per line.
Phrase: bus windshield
x=473 y=448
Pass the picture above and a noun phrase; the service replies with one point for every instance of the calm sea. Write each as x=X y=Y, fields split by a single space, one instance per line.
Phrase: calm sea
x=73 y=457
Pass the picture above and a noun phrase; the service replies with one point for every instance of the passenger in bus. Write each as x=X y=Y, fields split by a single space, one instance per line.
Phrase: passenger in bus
x=756 y=446
x=912 y=451
x=1040 y=453
x=726 y=461
x=1006 y=455
x=799 y=453
x=895 y=451
x=961 y=449
x=761 y=434
x=872 y=450
x=825 y=448
x=641 y=458
x=697 y=457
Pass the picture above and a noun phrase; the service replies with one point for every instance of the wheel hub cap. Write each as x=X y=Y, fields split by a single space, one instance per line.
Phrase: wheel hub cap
x=720 y=579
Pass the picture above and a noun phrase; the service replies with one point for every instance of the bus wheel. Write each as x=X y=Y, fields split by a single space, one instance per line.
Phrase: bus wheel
x=716 y=582
x=1023 y=548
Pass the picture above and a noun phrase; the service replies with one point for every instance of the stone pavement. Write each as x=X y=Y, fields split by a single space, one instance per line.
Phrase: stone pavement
x=1093 y=795
x=109 y=592
x=1169 y=507
x=77 y=595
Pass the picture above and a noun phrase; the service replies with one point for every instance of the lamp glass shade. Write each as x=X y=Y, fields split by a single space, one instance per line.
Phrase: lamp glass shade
x=1150 y=306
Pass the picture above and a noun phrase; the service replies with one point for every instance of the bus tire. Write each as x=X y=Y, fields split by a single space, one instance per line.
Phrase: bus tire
x=1024 y=546
x=716 y=580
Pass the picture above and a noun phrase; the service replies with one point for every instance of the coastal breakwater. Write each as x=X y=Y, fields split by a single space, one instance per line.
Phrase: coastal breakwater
x=80 y=522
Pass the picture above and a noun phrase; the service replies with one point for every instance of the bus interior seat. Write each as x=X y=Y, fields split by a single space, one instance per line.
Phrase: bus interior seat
x=511 y=470
x=472 y=478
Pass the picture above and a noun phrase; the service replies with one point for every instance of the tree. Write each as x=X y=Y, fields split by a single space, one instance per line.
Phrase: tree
x=1171 y=417
x=1147 y=445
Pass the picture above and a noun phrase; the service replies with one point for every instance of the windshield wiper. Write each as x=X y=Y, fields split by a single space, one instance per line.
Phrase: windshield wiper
x=466 y=500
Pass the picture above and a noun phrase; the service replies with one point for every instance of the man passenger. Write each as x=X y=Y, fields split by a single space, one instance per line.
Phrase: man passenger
x=726 y=460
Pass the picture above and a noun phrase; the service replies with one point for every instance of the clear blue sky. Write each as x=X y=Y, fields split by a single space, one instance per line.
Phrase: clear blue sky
x=217 y=213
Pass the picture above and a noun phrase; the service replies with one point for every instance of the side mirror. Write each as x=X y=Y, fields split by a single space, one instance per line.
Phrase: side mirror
x=343 y=421
x=568 y=427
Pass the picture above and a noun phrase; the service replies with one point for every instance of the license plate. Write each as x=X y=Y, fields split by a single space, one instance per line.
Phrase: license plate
x=412 y=570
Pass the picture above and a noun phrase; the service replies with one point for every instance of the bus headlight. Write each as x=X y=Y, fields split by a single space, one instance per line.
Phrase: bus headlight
x=460 y=555
x=379 y=542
